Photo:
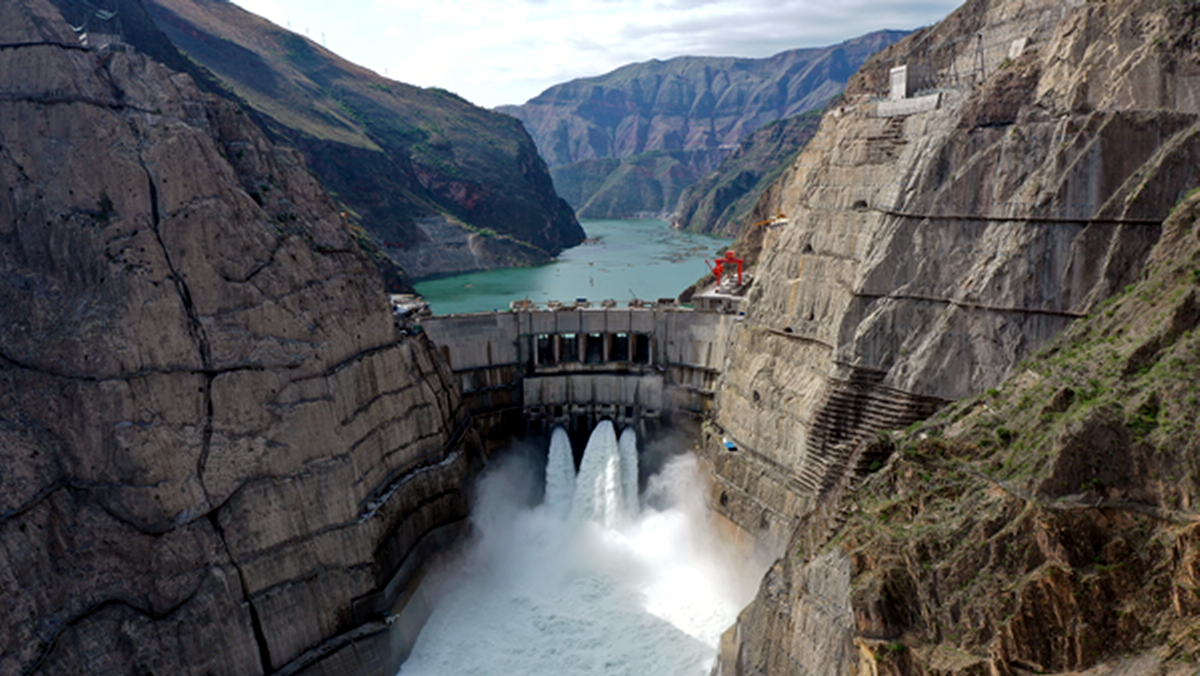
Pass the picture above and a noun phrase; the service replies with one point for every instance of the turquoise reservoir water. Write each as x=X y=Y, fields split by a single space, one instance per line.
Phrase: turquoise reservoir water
x=637 y=258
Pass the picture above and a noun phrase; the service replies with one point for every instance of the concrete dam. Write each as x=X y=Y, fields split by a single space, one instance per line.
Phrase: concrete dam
x=531 y=370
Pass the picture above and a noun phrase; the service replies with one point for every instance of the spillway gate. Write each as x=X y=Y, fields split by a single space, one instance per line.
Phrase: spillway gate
x=530 y=370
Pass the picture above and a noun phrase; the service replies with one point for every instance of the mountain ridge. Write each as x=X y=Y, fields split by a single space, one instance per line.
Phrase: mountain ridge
x=698 y=109
x=395 y=155
x=688 y=102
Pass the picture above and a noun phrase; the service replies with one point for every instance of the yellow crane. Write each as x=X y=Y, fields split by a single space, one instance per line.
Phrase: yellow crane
x=778 y=217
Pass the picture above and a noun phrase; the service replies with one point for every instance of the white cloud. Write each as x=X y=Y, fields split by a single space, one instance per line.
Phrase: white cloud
x=507 y=51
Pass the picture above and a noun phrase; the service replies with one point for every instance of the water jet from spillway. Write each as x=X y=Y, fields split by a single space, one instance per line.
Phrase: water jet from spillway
x=601 y=487
x=585 y=583
x=560 y=474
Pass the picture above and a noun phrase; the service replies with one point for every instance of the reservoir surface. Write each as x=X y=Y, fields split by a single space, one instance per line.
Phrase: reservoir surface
x=635 y=258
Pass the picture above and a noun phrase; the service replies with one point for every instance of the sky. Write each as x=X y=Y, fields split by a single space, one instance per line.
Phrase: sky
x=494 y=52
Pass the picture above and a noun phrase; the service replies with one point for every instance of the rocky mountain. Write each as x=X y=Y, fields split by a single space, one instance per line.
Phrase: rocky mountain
x=1048 y=525
x=440 y=185
x=648 y=184
x=721 y=200
x=696 y=108
x=217 y=453
x=933 y=245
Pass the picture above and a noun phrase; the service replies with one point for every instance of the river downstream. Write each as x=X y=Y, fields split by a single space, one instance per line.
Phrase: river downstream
x=593 y=581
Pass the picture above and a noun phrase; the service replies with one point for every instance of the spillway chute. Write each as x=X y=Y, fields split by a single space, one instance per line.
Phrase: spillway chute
x=602 y=591
x=629 y=471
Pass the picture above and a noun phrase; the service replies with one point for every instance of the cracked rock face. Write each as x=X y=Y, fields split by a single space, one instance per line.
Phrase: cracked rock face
x=199 y=394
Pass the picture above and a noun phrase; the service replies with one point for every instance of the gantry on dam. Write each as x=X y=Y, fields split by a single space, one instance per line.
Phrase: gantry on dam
x=532 y=369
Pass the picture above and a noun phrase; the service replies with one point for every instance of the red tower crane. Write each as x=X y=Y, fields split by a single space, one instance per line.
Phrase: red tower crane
x=721 y=265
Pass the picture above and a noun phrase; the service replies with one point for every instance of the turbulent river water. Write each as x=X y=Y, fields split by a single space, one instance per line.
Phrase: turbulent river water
x=642 y=258
x=594 y=579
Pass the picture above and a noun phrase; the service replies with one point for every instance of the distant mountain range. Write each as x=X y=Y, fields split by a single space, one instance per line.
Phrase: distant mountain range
x=438 y=184
x=692 y=111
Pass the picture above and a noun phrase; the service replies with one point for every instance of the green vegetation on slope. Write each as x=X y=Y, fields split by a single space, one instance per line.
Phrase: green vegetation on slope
x=1050 y=523
x=391 y=152
x=612 y=188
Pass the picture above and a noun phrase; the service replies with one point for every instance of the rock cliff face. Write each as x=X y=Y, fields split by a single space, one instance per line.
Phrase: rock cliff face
x=932 y=246
x=696 y=108
x=215 y=448
x=396 y=156
x=720 y=201
x=1046 y=526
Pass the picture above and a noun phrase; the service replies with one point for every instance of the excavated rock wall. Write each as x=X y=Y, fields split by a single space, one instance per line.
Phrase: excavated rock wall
x=213 y=441
x=927 y=254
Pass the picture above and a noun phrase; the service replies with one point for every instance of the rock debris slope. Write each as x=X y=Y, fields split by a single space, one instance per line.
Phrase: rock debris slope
x=933 y=244
x=214 y=445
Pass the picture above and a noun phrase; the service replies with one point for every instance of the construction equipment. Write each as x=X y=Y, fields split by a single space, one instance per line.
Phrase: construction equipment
x=721 y=266
x=769 y=221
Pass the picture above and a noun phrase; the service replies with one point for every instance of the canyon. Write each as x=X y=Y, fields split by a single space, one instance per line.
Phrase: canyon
x=959 y=412
x=629 y=142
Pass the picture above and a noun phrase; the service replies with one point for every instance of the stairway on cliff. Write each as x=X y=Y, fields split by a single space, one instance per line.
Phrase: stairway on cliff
x=846 y=444
x=886 y=146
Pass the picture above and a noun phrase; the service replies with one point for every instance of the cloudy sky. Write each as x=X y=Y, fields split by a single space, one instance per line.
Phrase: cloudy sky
x=507 y=51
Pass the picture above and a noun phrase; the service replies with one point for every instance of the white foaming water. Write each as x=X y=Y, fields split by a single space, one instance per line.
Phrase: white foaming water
x=599 y=488
x=560 y=474
x=629 y=471
x=542 y=594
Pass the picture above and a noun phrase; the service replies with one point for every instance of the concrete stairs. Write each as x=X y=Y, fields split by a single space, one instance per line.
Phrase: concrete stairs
x=844 y=446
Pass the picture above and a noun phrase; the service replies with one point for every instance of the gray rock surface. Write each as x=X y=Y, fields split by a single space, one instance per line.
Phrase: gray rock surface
x=200 y=397
x=688 y=103
x=927 y=254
